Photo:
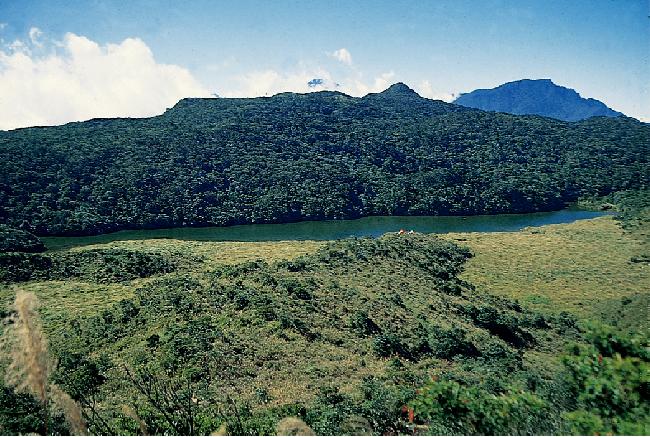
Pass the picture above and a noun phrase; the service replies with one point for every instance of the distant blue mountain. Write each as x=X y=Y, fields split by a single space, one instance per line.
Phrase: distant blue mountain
x=538 y=97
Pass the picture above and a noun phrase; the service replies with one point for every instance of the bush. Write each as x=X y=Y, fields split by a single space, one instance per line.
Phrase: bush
x=363 y=325
x=501 y=324
x=610 y=381
x=98 y=265
x=448 y=343
x=448 y=407
x=17 y=240
x=22 y=414
x=19 y=267
x=387 y=344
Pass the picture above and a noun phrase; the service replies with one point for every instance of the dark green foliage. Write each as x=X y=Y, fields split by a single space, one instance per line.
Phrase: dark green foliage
x=194 y=349
x=79 y=376
x=237 y=270
x=363 y=325
x=387 y=345
x=109 y=265
x=82 y=379
x=172 y=402
x=329 y=411
x=22 y=414
x=19 y=267
x=17 y=240
x=448 y=407
x=505 y=325
x=447 y=343
x=98 y=265
x=610 y=381
x=603 y=390
x=632 y=206
x=380 y=402
x=441 y=260
x=374 y=411
x=295 y=288
x=308 y=157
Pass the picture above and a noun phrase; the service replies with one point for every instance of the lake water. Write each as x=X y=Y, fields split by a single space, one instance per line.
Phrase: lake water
x=335 y=229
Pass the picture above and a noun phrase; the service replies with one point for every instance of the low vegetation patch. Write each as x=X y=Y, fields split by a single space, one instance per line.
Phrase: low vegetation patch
x=96 y=265
x=17 y=240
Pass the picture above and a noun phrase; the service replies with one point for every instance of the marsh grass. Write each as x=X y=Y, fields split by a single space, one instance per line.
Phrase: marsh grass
x=572 y=267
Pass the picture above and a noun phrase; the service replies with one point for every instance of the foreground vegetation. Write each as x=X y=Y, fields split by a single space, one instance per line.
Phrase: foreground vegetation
x=378 y=336
x=315 y=156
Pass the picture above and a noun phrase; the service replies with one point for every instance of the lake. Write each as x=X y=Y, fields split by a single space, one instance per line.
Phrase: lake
x=335 y=229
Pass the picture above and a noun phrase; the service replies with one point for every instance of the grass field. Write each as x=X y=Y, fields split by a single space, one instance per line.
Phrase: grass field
x=578 y=267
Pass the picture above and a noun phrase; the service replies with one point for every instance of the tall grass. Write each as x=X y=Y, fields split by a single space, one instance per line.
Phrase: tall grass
x=30 y=365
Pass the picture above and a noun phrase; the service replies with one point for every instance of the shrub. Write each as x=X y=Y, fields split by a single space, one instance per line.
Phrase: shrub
x=501 y=324
x=610 y=381
x=449 y=407
x=18 y=240
x=363 y=325
x=387 y=344
x=295 y=288
x=449 y=343
x=19 y=267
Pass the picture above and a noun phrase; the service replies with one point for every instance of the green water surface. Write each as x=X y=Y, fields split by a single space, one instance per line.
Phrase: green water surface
x=335 y=229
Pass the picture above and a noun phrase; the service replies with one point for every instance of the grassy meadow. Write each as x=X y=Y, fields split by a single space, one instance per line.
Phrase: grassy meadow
x=579 y=267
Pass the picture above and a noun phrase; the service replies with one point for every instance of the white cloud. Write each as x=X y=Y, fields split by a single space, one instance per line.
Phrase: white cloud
x=18 y=46
x=34 y=35
x=301 y=80
x=2 y=26
x=45 y=82
x=224 y=64
x=425 y=89
x=270 y=82
x=342 y=55
x=356 y=86
x=83 y=80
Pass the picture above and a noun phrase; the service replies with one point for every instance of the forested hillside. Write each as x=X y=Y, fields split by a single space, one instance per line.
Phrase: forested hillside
x=308 y=157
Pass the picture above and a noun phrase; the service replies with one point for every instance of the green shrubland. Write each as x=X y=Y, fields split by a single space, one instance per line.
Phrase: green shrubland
x=343 y=340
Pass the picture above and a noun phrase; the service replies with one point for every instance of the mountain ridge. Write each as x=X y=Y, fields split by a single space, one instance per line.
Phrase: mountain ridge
x=536 y=97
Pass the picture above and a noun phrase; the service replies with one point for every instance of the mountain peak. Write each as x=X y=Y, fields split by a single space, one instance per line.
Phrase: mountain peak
x=536 y=97
x=399 y=91
x=399 y=88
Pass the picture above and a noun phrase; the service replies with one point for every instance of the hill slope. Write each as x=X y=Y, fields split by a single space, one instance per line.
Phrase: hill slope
x=353 y=328
x=315 y=156
x=341 y=334
x=536 y=97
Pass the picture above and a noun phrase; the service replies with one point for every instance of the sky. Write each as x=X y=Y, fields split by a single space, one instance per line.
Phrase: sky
x=66 y=60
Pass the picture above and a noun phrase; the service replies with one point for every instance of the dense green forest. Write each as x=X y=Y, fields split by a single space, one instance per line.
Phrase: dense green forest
x=308 y=157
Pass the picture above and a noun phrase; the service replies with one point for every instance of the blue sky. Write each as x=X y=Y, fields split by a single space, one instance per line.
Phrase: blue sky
x=245 y=48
